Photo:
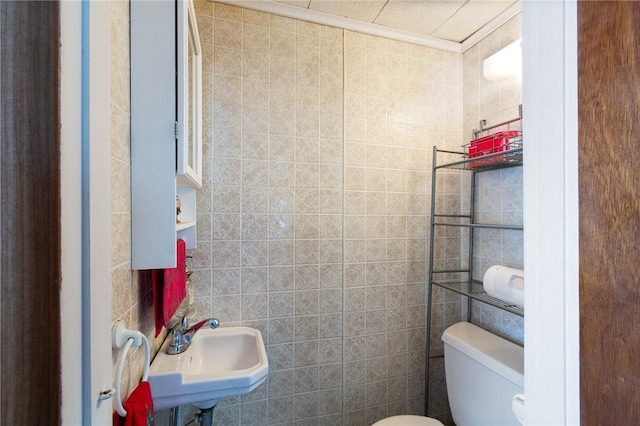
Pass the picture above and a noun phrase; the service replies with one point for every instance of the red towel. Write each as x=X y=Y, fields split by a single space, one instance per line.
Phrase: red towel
x=169 y=288
x=139 y=408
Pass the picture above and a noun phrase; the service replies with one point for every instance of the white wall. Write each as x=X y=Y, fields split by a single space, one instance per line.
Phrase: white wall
x=70 y=291
x=85 y=133
x=549 y=36
x=498 y=192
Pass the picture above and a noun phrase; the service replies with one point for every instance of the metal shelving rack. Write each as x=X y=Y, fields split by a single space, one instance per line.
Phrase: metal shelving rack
x=509 y=156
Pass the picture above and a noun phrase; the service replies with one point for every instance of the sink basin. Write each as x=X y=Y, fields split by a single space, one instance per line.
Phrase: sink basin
x=223 y=362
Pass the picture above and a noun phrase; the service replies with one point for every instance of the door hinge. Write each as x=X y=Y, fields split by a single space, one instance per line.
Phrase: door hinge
x=175 y=129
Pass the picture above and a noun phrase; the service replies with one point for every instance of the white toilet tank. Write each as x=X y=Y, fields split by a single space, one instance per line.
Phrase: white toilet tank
x=483 y=373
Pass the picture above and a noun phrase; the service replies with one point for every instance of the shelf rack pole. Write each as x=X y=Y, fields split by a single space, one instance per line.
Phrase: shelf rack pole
x=430 y=283
x=472 y=209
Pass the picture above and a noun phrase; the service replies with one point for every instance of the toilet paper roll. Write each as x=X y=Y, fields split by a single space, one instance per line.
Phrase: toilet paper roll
x=505 y=284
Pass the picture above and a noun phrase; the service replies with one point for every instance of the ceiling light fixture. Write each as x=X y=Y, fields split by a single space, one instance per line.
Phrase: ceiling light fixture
x=504 y=63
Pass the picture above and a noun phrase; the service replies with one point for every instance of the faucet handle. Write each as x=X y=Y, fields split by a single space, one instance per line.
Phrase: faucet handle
x=177 y=334
x=179 y=343
x=177 y=338
x=184 y=323
x=178 y=323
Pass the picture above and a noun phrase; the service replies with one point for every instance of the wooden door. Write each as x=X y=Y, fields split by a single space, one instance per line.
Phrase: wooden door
x=609 y=173
x=30 y=212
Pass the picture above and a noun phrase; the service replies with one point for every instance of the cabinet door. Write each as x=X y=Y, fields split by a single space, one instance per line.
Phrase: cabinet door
x=153 y=141
x=166 y=129
x=189 y=117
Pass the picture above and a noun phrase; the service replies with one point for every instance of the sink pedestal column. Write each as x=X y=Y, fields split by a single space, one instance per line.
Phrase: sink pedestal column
x=205 y=418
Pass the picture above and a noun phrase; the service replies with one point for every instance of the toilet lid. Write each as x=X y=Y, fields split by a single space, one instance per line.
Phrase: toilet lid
x=408 y=421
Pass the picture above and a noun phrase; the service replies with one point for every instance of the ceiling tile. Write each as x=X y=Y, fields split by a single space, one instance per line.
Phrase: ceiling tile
x=421 y=17
x=298 y=3
x=359 y=10
x=447 y=21
x=470 y=18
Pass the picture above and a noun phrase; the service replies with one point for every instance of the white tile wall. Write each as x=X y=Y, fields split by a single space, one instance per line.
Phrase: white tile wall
x=317 y=198
x=391 y=92
x=499 y=192
x=312 y=218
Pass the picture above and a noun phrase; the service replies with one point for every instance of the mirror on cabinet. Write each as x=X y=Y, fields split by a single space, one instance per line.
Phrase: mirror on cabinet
x=189 y=120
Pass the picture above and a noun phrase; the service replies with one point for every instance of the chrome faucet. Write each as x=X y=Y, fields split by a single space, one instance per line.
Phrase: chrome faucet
x=182 y=334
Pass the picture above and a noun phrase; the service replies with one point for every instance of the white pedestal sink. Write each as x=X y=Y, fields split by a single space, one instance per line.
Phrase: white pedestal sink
x=223 y=362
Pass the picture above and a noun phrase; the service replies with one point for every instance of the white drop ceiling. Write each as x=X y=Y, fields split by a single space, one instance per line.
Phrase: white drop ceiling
x=452 y=20
x=449 y=24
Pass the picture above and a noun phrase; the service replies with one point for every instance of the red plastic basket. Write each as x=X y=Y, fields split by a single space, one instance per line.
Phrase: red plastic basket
x=491 y=144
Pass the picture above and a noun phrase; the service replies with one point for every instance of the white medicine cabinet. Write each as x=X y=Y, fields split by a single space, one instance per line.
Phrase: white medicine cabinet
x=189 y=68
x=166 y=130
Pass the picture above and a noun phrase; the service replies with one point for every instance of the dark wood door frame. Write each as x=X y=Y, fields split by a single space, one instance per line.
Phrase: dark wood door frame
x=30 y=212
x=609 y=174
